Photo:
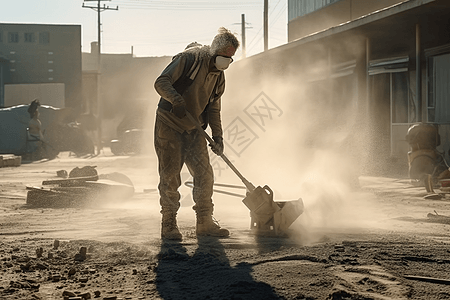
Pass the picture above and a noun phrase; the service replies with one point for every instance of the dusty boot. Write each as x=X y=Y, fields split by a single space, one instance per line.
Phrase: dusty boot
x=169 y=228
x=208 y=226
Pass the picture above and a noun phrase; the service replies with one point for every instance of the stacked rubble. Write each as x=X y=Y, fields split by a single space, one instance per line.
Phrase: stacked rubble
x=82 y=187
x=10 y=160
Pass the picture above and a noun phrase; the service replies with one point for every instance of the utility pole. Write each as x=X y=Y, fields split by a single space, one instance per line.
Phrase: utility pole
x=244 y=54
x=243 y=27
x=99 y=9
x=266 y=25
x=243 y=34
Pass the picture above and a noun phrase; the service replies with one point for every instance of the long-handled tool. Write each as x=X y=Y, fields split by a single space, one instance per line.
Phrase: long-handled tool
x=267 y=216
x=250 y=187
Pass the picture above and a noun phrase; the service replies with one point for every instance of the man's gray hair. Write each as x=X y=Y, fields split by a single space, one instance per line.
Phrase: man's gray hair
x=224 y=39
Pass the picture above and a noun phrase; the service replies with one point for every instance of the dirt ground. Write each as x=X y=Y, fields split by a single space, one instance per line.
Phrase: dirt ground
x=381 y=240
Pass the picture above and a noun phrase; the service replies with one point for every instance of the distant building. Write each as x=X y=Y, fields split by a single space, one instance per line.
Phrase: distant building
x=4 y=77
x=126 y=88
x=307 y=17
x=44 y=61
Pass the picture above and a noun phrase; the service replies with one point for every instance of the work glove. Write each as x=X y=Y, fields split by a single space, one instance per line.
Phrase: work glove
x=179 y=108
x=217 y=148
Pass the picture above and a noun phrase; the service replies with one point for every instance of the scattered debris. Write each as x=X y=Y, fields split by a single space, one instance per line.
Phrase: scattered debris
x=56 y=244
x=339 y=248
x=86 y=171
x=434 y=197
x=39 y=252
x=81 y=255
x=438 y=218
x=87 y=189
x=10 y=160
x=428 y=279
x=72 y=271
x=442 y=185
x=62 y=173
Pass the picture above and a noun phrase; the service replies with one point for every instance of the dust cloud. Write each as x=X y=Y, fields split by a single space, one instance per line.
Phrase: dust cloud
x=303 y=145
x=302 y=137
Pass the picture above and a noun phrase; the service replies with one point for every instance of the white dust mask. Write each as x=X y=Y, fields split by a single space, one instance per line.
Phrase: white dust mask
x=222 y=62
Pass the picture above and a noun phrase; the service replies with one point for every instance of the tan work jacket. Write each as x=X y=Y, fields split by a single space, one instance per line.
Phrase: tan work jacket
x=196 y=96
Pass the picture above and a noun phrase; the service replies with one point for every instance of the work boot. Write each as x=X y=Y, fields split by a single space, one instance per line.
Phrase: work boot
x=169 y=228
x=208 y=226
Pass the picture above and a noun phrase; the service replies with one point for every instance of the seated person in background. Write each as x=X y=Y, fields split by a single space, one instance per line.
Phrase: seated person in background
x=34 y=127
x=35 y=135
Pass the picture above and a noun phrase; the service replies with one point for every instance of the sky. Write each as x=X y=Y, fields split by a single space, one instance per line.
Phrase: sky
x=155 y=28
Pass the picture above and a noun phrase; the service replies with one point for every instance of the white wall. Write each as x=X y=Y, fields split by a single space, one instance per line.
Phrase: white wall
x=51 y=94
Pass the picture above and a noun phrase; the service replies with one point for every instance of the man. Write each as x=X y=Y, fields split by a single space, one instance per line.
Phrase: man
x=193 y=82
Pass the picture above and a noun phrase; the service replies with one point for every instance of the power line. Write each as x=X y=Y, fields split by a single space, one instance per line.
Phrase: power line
x=275 y=7
x=187 y=5
x=208 y=2
x=275 y=19
x=275 y=12
x=258 y=38
x=99 y=9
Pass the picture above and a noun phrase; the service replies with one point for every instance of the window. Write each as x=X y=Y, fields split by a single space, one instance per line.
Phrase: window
x=402 y=104
x=44 y=37
x=29 y=37
x=438 y=72
x=13 y=37
x=439 y=93
x=396 y=83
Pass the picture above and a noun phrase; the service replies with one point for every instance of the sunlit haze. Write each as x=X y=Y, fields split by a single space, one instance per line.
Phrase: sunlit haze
x=155 y=28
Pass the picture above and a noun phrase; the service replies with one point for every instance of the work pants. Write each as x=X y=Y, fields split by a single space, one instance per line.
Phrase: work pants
x=173 y=150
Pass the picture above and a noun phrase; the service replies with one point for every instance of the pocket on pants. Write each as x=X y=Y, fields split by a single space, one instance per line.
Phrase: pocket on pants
x=164 y=131
x=164 y=135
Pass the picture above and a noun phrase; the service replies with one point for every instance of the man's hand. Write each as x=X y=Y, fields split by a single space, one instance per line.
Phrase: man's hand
x=217 y=148
x=179 y=108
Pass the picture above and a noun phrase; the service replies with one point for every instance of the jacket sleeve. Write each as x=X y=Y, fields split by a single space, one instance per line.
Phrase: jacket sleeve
x=164 y=82
x=215 y=121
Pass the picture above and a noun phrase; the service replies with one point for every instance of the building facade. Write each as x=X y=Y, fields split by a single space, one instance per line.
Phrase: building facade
x=43 y=54
x=306 y=17
x=122 y=87
x=366 y=70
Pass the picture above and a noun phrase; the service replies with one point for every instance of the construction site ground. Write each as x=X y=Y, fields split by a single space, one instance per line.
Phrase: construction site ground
x=381 y=240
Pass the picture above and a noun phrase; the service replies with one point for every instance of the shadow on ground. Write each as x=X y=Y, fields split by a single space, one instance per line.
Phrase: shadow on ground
x=206 y=274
